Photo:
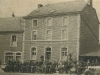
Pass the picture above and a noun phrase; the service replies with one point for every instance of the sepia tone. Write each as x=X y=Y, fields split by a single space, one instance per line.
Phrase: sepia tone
x=54 y=38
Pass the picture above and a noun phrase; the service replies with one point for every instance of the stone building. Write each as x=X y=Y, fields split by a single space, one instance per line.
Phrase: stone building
x=57 y=30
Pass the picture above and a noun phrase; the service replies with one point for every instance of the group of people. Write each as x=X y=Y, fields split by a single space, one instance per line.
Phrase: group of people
x=93 y=63
x=41 y=66
x=31 y=67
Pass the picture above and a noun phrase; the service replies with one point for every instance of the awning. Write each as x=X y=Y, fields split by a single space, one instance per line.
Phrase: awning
x=96 y=53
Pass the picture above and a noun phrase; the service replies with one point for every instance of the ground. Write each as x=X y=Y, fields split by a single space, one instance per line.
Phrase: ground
x=31 y=74
x=5 y=73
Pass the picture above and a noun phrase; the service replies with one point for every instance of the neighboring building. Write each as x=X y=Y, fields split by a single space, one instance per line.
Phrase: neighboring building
x=57 y=30
x=11 y=39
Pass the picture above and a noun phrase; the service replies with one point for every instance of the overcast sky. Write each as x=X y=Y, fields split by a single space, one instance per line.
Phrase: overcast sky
x=24 y=7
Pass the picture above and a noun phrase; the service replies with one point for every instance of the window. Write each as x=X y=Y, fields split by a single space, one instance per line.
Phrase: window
x=34 y=22
x=48 y=54
x=49 y=22
x=64 y=54
x=18 y=56
x=65 y=21
x=34 y=35
x=10 y=56
x=13 y=41
x=33 y=53
x=64 y=34
x=49 y=35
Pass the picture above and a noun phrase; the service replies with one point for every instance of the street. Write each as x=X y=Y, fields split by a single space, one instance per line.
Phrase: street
x=32 y=74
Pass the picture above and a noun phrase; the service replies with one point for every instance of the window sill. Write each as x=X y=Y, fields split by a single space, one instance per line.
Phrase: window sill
x=13 y=46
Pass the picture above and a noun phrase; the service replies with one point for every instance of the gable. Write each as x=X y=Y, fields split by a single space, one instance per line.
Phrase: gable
x=89 y=15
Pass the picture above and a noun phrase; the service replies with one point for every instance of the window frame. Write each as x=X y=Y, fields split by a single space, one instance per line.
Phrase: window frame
x=14 y=55
x=47 y=35
x=65 y=35
x=31 y=53
x=63 y=21
x=33 y=23
x=45 y=52
x=61 y=52
x=51 y=21
x=11 y=45
x=32 y=35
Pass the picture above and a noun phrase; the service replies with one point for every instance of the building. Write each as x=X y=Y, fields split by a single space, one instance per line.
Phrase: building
x=57 y=30
x=11 y=39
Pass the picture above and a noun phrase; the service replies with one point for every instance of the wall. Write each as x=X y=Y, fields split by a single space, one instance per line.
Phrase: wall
x=56 y=43
x=5 y=39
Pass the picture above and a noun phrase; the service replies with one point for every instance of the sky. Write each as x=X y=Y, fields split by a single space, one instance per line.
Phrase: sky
x=24 y=7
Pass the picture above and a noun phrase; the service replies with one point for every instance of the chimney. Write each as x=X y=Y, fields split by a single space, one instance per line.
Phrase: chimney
x=40 y=5
x=13 y=15
x=89 y=2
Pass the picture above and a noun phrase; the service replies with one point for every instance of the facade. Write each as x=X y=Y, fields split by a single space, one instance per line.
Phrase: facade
x=57 y=30
x=11 y=39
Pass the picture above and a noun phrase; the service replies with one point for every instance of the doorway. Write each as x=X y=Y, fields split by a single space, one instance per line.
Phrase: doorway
x=48 y=53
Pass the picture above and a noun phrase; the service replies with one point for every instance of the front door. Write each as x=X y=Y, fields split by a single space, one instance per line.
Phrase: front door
x=48 y=54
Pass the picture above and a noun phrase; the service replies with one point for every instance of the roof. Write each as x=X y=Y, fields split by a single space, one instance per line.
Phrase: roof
x=96 y=53
x=58 y=8
x=11 y=24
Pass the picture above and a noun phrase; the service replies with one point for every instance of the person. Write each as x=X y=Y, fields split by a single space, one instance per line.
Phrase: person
x=96 y=63
x=88 y=62
x=88 y=72
x=92 y=64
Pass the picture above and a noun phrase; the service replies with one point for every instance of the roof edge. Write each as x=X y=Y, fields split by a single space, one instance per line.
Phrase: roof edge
x=50 y=15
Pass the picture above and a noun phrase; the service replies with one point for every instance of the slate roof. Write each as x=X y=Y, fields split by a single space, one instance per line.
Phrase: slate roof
x=11 y=24
x=58 y=8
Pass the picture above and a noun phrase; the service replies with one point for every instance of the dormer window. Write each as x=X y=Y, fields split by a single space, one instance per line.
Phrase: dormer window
x=13 y=41
x=49 y=22
x=34 y=22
